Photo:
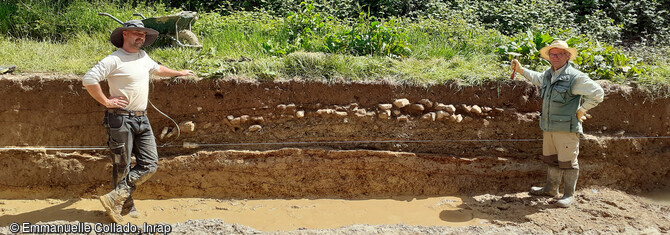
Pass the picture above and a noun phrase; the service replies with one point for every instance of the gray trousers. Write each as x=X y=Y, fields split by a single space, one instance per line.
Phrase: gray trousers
x=129 y=135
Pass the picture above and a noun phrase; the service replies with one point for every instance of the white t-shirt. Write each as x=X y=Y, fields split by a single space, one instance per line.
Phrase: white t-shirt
x=127 y=75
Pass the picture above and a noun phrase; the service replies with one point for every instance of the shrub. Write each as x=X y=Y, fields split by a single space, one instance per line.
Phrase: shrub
x=370 y=36
x=62 y=20
x=599 y=60
x=640 y=20
x=32 y=19
x=528 y=45
x=599 y=26
x=512 y=17
x=298 y=31
x=603 y=61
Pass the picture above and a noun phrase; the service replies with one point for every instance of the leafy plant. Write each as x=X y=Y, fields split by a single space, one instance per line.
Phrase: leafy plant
x=370 y=36
x=298 y=31
x=640 y=20
x=604 y=61
x=599 y=60
x=62 y=20
x=528 y=47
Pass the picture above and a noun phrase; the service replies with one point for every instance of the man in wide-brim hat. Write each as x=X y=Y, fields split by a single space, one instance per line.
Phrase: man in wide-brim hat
x=567 y=94
x=127 y=71
x=135 y=27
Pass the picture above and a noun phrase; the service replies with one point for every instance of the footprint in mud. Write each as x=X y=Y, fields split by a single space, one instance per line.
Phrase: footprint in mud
x=456 y=216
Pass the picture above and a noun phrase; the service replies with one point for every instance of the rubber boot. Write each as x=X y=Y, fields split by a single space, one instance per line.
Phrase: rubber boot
x=570 y=182
x=553 y=181
x=129 y=208
x=113 y=203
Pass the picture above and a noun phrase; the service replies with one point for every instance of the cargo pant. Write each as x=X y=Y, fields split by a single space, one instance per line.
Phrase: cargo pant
x=129 y=134
x=561 y=149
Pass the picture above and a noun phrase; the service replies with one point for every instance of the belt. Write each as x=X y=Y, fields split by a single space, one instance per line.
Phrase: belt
x=126 y=112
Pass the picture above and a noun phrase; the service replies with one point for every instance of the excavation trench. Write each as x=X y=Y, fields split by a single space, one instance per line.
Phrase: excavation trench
x=320 y=140
x=294 y=140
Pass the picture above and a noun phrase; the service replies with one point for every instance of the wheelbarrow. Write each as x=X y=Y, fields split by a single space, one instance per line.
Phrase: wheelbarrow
x=7 y=69
x=177 y=27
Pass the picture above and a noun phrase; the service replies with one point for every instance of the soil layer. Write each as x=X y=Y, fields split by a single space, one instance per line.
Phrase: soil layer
x=294 y=140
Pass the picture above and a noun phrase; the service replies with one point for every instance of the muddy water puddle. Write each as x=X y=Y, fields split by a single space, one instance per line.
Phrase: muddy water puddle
x=264 y=215
x=661 y=197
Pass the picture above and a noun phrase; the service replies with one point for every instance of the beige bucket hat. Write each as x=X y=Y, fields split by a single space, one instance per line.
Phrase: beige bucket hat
x=560 y=44
x=117 y=35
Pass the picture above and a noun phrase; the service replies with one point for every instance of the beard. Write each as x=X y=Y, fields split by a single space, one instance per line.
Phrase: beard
x=138 y=43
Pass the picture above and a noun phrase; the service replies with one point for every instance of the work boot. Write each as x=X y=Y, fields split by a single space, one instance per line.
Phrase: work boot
x=551 y=188
x=129 y=208
x=570 y=182
x=113 y=203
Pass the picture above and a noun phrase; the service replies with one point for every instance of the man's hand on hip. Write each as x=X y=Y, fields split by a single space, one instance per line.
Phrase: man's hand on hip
x=582 y=115
x=116 y=102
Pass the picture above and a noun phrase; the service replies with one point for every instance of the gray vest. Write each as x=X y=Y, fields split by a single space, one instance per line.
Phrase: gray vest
x=559 y=105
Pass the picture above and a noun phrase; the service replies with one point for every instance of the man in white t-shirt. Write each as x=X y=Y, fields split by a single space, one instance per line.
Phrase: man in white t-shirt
x=127 y=71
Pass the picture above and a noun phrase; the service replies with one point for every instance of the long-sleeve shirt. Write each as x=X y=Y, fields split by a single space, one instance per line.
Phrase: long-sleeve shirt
x=127 y=75
x=590 y=91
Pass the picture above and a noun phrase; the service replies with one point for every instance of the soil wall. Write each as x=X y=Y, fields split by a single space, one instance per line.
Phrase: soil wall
x=489 y=141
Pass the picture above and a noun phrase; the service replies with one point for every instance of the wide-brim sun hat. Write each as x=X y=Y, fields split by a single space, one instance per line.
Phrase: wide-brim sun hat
x=116 y=38
x=560 y=44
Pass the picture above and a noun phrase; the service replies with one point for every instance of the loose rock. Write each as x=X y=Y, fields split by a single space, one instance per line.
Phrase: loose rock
x=448 y=108
x=341 y=114
x=456 y=118
x=417 y=107
x=290 y=107
x=451 y=109
x=401 y=103
x=467 y=108
x=244 y=118
x=523 y=99
x=164 y=132
x=385 y=106
x=258 y=119
x=429 y=116
x=386 y=114
x=236 y=121
x=440 y=107
x=426 y=103
x=255 y=128
x=187 y=126
x=441 y=115
x=188 y=145
x=476 y=109
x=325 y=111
x=361 y=112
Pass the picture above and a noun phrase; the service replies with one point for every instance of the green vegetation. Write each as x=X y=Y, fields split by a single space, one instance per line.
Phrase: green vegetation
x=415 y=41
x=598 y=59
